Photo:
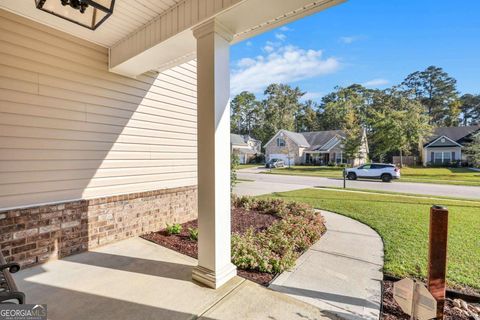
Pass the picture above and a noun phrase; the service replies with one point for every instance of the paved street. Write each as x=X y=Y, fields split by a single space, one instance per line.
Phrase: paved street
x=268 y=183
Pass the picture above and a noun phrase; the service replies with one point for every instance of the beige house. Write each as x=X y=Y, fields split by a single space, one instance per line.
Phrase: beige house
x=118 y=122
x=314 y=148
x=245 y=147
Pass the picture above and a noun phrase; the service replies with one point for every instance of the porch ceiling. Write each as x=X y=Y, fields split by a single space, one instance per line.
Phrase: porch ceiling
x=168 y=41
x=145 y=35
x=129 y=16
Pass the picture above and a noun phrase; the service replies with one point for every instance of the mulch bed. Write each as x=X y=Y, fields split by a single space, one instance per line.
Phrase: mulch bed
x=241 y=221
x=391 y=310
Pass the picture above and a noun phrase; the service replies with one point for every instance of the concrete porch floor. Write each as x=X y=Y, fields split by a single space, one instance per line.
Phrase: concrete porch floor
x=136 y=279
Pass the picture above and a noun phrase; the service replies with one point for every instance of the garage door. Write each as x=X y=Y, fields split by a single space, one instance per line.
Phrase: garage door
x=281 y=156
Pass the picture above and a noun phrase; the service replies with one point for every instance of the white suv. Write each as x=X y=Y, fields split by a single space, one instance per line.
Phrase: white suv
x=383 y=171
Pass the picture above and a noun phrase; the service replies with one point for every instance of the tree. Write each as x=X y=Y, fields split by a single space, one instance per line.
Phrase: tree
x=353 y=136
x=246 y=113
x=470 y=106
x=472 y=149
x=280 y=106
x=453 y=115
x=336 y=106
x=436 y=91
x=306 y=117
x=398 y=125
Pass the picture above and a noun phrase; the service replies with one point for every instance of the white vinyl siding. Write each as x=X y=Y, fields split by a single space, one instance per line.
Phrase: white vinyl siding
x=69 y=129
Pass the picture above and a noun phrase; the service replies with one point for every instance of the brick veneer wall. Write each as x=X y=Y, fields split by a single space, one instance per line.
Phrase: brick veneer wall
x=36 y=234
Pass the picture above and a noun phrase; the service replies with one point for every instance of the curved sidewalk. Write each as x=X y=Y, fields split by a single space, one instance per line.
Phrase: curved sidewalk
x=341 y=273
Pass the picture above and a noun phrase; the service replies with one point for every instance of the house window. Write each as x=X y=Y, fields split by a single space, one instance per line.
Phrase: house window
x=280 y=142
x=339 y=157
x=442 y=157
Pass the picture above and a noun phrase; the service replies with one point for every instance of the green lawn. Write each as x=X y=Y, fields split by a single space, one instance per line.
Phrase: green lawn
x=454 y=176
x=402 y=222
x=457 y=176
x=246 y=166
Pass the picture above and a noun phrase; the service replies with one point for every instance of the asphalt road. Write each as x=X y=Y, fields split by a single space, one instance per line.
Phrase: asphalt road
x=268 y=183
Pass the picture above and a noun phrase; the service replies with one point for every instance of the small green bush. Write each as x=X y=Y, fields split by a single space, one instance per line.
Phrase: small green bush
x=276 y=249
x=193 y=234
x=175 y=228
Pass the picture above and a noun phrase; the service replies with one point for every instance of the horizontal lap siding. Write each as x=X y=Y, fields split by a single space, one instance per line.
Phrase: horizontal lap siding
x=69 y=129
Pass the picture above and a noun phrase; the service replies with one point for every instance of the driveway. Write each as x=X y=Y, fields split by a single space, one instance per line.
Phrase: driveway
x=268 y=183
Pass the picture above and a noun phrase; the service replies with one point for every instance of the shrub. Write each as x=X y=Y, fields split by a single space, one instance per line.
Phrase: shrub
x=275 y=249
x=258 y=159
x=193 y=234
x=175 y=228
x=234 y=163
x=242 y=202
x=276 y=207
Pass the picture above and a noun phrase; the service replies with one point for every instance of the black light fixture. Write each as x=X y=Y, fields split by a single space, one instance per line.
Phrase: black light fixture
x=87 y=13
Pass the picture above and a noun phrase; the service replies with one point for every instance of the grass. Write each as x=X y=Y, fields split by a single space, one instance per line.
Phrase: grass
x=453 y=176
x=250 y=165
x=400 y=194
x=402 y=222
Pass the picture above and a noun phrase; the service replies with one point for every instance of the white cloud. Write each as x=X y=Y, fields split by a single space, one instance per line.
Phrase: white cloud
x=376 y=82
x=245 y=62
x=280 y=36
x=286 y=65
x=249 y=43
x=285 y=29
x=268 y=48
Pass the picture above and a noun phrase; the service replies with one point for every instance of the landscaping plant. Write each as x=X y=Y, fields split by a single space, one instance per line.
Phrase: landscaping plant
x=175 y=228
x=276 y=248
x=193 y=234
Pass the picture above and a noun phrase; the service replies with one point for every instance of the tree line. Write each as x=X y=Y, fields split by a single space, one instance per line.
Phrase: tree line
x=396 y=119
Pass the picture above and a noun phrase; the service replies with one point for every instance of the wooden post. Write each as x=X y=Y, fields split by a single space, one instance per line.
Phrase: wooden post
x=437 y=255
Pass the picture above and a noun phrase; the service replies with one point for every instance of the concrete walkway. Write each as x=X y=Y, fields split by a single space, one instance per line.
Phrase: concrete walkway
x=136 y=279
x=341 y=273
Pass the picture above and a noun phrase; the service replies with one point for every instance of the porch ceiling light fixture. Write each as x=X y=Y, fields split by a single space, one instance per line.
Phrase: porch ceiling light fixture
x=87 y=13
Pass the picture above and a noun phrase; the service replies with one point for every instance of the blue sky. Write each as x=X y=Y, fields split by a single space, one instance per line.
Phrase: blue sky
x=373 y=42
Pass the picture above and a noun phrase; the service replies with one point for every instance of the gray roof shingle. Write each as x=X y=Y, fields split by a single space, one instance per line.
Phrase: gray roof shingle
x=237 y=140
x=298 y=138
x=317 y=139
x=454 y=133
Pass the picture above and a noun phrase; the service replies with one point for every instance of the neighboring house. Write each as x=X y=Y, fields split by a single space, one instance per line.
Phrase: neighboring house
x=245 y=147
x=445 y=146
x=317 y=148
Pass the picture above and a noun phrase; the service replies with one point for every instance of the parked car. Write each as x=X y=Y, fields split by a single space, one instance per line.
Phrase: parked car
x=383 y=171
x=275 y=163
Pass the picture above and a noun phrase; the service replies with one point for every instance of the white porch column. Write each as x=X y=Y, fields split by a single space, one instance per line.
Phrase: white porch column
x=213 y=87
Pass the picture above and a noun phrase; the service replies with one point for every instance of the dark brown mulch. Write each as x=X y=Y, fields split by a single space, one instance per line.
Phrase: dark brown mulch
x=391 y=310
x=241 y=221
